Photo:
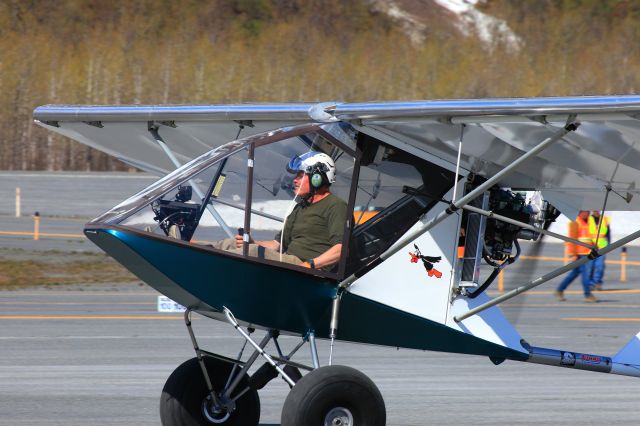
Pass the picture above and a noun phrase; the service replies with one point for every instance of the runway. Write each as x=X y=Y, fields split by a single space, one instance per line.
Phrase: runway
x=100 y=355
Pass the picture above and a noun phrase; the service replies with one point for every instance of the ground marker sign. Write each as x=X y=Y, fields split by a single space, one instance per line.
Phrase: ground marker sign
x=167 y=305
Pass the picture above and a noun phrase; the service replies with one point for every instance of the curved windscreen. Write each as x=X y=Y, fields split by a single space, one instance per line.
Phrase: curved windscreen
x=244 y=187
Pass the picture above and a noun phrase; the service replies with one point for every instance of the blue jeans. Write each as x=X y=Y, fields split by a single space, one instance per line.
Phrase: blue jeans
x=597 y=271
x=585 y=271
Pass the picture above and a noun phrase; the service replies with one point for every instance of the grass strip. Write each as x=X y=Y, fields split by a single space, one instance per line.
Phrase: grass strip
x=21 y=269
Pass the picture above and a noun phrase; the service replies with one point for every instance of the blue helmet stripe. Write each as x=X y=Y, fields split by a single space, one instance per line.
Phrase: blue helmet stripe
x=295 y=164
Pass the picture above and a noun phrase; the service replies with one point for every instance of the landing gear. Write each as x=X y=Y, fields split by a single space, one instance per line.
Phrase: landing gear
x=186 y=399
x=213 y=389
x=334 y=395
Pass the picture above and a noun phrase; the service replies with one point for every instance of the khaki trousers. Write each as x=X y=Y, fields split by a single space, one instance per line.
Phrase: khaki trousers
x=255 y=250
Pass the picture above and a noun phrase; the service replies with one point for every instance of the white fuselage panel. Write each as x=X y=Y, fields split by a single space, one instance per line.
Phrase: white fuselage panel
x=407 y=286
x=401 y=284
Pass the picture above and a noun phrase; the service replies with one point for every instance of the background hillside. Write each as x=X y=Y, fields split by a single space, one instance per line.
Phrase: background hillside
x=223 y=51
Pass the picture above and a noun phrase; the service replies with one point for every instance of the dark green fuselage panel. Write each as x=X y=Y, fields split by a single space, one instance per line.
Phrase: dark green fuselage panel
x=273 y=297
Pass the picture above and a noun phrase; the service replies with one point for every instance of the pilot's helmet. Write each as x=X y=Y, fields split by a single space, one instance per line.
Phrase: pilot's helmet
x=318 y=165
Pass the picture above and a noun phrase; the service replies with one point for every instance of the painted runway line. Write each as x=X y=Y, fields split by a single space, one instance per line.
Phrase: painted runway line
x=601 y=319
x=601 y=293
x=601 y=305
x=89 y=317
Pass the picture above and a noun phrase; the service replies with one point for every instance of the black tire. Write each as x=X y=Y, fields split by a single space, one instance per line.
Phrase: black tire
x=336 y=390
x=185 y=392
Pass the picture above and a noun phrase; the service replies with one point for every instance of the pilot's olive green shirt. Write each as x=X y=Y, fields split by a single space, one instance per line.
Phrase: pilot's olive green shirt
x=313 y=229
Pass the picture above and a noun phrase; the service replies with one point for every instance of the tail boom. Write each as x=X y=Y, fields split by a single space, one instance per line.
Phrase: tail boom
x=626 y=362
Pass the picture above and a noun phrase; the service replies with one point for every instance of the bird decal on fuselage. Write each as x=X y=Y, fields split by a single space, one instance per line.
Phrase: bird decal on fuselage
x=427 y=261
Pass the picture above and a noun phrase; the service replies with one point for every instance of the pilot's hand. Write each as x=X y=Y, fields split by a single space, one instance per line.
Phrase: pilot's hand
x=306 y=265
x=239 y=241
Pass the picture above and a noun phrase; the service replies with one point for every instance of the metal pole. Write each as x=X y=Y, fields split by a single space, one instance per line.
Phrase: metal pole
x=245 y=370
x=455 y=182
x=333 y=325
x=203 y=367
x=232 y=320
x=314 y=350
x=623 y=265
x=455 y=206
x=247 y=205
x=543 y=279
x=36 y=226
x=18 y=213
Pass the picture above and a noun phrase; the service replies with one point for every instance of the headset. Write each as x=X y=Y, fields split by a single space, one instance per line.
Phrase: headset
x=318 y=175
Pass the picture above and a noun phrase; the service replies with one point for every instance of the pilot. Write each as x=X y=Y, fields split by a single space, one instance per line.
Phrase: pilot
x=312 y=232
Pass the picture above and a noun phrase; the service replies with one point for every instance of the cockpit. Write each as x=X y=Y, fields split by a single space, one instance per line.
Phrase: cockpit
x=244 y=187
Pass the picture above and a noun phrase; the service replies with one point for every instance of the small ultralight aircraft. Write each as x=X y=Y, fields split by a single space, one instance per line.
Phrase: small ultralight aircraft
x=435 y=191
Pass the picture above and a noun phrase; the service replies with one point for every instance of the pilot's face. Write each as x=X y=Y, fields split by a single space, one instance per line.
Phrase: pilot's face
x=301 y=183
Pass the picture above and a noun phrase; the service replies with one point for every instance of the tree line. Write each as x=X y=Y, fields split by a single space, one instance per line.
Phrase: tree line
x=223 y=51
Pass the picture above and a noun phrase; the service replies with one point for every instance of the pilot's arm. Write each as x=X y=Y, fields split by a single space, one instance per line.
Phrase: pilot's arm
x=328 y=258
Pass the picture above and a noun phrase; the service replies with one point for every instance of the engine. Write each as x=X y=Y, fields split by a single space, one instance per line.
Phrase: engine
x=496 y=241
x=499 y=236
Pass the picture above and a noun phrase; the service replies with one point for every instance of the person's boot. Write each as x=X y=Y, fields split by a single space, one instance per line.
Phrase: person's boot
x=590 y=298
x=559 y=295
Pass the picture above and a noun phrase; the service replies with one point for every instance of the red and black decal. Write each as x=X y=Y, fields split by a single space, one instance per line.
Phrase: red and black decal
x=591 y=359
x=427 y=261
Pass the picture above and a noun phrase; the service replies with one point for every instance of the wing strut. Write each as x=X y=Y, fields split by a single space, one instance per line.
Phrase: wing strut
x=153 y=129
x=571 y=126
x=543 y=279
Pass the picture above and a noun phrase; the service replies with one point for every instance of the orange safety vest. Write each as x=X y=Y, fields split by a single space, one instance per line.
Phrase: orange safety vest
x=580 y=230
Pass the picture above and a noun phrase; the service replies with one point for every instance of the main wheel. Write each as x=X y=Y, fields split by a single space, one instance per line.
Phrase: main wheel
x=186 y=401
x=334 y=395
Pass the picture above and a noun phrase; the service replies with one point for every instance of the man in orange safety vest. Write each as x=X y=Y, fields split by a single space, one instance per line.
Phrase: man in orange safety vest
x=582 y=230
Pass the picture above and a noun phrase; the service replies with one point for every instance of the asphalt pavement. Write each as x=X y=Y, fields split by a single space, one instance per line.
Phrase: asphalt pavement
x=100 y=355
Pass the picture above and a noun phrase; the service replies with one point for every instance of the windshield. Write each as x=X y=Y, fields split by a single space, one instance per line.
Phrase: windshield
x=245 y=187
x=171 y=181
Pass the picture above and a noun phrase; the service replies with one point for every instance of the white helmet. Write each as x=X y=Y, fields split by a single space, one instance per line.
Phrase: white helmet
x=319 y=166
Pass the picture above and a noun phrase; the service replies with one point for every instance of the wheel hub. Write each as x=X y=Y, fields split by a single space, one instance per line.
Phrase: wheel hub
x=339 y=416
x=217 y=415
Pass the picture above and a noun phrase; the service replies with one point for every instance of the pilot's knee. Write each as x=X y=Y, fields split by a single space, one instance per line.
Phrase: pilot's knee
x=227 y=244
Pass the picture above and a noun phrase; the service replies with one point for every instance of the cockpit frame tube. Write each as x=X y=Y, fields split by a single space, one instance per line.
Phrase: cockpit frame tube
x=248 y=201
x=209 y=196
